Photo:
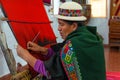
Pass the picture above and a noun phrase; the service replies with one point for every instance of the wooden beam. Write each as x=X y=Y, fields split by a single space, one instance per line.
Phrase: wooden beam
x=8 y=54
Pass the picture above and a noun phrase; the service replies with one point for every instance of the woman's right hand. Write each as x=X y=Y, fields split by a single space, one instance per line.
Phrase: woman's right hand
x=33 y=46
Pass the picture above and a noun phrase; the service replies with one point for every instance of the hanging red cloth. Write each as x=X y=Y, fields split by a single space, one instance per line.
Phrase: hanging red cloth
x=27 y=18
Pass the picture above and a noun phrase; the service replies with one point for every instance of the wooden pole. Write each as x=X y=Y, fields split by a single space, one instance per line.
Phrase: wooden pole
x=8 y=55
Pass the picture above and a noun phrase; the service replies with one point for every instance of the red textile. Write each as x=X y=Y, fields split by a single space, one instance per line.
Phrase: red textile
x=113 y=75
x=27 y=18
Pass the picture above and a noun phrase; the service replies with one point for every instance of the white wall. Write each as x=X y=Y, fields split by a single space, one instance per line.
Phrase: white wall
x=54 y=25
x=3 y=66
x=102 y=25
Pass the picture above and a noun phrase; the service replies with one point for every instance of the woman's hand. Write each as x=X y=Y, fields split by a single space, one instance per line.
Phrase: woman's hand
x=24 y=53
x=33 y=46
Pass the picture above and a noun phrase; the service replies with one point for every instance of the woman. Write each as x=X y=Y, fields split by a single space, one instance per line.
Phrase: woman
x=79 y=57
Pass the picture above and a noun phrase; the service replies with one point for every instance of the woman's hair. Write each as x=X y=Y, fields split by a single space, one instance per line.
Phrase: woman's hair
x=79 y=23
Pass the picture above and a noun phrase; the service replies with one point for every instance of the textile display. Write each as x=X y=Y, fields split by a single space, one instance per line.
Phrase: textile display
x=28 y=18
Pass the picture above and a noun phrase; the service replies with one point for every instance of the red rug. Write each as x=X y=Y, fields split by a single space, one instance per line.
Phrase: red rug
x=113 y=75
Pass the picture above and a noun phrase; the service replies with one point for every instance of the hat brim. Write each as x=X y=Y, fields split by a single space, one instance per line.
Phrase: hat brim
x=81 y=18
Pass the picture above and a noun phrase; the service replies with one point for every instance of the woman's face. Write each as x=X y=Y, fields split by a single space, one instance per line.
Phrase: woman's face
x=64 y=28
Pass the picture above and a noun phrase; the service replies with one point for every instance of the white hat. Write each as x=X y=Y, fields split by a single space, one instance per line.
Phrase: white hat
x=71 y=11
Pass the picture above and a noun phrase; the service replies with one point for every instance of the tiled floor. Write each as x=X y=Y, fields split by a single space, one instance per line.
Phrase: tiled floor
x=112 y=58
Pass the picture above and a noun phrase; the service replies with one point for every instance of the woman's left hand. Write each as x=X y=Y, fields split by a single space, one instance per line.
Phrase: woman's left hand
x=22 y=52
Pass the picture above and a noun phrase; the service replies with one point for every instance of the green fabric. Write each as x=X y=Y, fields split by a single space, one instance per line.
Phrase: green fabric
x=89 y=50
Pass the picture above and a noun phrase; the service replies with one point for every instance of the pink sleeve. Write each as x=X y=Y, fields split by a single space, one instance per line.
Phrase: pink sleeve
x=40 y=68
x=39 y=65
